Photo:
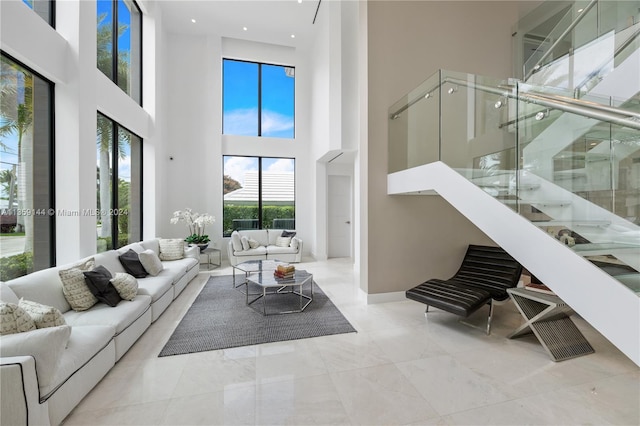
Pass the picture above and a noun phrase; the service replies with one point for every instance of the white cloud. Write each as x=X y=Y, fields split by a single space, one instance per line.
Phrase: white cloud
x=281 y=165
x=237 y=166
x=241 y=122
x=273 y=122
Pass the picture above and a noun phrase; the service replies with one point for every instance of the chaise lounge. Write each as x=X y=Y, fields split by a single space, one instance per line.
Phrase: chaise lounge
x=484 y=276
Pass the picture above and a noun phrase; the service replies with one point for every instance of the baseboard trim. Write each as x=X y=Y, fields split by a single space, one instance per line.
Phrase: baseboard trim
x=393 y=296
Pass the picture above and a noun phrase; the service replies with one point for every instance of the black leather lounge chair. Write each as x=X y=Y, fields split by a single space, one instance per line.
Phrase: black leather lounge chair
x=484 y=276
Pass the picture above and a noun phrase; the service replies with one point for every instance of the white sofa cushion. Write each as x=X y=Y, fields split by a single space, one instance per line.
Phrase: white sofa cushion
x=43 y=316
x=150 y=262
x=126 y=285
x=43 y=286
x=245 y=242
x=119 y=317
x=156 y=287
x=75 y=289
x=153 y=244
x=111 y=260
x=84 y=342
x=281 y=250
x=171 y=249
x=258 y=251
x=14 y=319
x=273 y=235
x=260 y=235
x=7 y=295
x=177 y=268
x=236 y=241
x=137 y=247
x=45 y=345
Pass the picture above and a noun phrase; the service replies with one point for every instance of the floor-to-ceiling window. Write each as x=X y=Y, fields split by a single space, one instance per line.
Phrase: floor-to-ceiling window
x=44 y=8
x=258 y=99
x=26 y=171
x=119 y=185
x=258 y=193
x=119 y=44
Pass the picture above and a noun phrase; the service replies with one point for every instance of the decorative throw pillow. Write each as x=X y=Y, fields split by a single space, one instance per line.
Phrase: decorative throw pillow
x=45 y=345
x=151 y=262
x=75 y=288
x=236 y=241
x=171 y=249
x=126 y=285
x=14 y=319
x=245 y=243
x=43 y=316
x=289 y=234
x=253 y=243
x=99 y=282
x=283 y=241
x=132 y=264
x=295 y=243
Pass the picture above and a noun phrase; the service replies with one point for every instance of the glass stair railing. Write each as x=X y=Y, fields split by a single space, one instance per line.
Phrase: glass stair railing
x=571 y=167
x=589 y=42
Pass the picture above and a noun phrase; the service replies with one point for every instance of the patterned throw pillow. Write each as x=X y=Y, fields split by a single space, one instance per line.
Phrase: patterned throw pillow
x=283 y=241
x=43 y=316
x=126 y=285
x=151 y=262
x=253 y=243
x=74 y=287
x=171 y=249
x=14 y=319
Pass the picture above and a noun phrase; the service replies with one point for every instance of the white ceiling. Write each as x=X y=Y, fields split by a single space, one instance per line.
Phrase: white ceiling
x=267 y=21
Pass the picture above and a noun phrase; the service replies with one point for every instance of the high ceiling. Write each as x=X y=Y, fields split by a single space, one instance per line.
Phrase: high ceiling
x=268 y=21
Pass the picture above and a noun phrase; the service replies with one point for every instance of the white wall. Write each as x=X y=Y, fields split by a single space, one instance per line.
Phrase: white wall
x=194 y=136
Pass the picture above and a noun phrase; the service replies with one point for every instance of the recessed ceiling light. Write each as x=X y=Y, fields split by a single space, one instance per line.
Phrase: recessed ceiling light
x=193 y=20
x=293 y=36
x=244 y=28
x=299 y=1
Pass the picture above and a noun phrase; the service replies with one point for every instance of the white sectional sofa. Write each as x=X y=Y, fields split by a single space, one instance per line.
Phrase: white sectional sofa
x=45 y=383
x=267 y=247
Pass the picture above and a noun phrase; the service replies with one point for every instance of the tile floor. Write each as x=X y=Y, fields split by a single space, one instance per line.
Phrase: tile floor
x=400 y=368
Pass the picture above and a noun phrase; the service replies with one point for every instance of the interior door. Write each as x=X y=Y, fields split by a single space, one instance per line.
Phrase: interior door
x=339 y=216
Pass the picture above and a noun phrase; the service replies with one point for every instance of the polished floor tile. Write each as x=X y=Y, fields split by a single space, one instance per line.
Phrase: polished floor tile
x=400 y=368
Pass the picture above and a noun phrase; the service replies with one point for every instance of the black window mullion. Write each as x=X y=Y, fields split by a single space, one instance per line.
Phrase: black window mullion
x=259 y=192
x=114 y=184
x=114 y=44
x=260 y=104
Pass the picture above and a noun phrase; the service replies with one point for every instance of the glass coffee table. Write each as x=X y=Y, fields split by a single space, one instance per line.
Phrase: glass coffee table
x=276 y=289
x=253 y=266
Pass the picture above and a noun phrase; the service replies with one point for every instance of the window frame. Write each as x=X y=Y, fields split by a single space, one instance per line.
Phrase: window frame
x=259 y=106
x=52 y=157
x=115 y=127
x=114 y=49
x=260 y=206
x=50 y=18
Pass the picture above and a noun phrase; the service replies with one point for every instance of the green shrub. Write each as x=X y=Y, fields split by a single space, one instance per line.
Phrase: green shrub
x=269 y=213
x=15 y=266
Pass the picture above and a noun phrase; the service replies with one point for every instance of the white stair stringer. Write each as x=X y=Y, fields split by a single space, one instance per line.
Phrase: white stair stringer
x=609 y=306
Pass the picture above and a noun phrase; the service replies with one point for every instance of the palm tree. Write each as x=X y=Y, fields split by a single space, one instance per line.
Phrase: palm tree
x=105 y=126
x=16 y=111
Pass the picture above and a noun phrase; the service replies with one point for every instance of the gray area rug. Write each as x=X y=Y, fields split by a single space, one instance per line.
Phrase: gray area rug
x=219 y=319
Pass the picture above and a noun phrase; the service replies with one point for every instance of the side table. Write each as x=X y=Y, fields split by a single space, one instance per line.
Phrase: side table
x=547 y=316
x=210 y=254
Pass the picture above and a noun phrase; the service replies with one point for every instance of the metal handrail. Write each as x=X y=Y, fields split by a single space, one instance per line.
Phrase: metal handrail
x=610 y=114
x=562 y=36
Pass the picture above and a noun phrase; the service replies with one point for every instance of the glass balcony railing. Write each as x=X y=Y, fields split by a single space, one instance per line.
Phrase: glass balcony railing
x=570 y=166
x=590 y=40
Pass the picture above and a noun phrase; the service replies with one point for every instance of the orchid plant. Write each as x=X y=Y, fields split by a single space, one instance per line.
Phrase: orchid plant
x=196 y=222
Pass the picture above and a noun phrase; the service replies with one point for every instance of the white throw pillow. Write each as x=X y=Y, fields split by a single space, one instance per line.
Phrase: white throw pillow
x=295 y=243
x=236 y=241
x=171 y=249
x=245 y=243
x=43 y=316
x=75 y=289
x=14 y=319
x=150 y=262
x=45 y=345
x=283 y=241
x=126 y=285
x=253 y=243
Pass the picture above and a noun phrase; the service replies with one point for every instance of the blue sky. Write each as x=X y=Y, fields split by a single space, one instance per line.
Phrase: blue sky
x=240 y=103
x=124 y=17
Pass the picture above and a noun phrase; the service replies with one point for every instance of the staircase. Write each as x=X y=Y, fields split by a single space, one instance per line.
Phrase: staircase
x=550 y=174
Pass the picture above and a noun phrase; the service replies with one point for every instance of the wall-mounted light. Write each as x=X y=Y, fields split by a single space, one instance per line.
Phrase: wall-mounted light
x=395 y=116
x=452 y=90
x=500 y=103
x=427 y=95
